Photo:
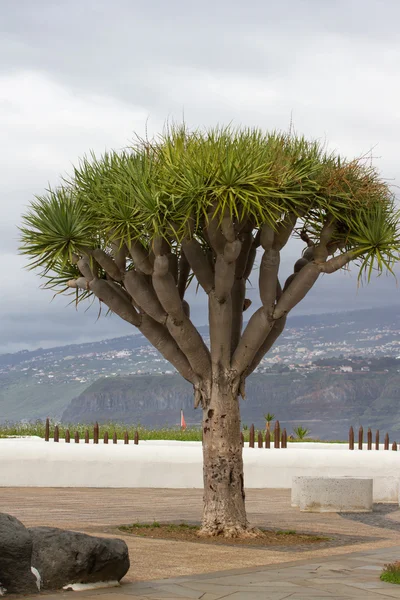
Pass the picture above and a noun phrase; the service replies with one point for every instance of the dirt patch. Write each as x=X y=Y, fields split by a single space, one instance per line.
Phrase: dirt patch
x=189 y=533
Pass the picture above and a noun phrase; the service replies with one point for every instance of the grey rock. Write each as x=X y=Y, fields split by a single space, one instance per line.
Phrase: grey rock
x=15 y=557
x=67 y=557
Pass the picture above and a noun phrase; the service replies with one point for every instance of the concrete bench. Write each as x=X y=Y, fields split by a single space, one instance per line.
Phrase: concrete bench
x=332 y=494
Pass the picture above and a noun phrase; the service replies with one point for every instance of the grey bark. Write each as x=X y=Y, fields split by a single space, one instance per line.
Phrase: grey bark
x=224 y=498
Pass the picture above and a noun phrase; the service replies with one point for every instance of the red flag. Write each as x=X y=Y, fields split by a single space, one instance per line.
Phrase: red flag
x=183 y=422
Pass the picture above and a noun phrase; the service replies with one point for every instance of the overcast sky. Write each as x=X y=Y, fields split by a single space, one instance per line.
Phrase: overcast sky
x=85 y=74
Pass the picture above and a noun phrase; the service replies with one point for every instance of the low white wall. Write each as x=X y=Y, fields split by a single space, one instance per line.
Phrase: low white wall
x=35 y=463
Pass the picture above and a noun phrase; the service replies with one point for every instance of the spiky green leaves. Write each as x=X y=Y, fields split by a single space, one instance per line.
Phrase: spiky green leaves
x=174 y=185
x=56 y=226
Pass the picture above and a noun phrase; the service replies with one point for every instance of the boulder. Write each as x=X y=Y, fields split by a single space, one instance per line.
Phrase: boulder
x=67 y=557
x=16 y=576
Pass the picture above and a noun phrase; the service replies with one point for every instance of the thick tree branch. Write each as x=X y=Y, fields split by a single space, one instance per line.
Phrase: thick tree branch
x=199 y=264
x=165 y=288
x=184 y=272
x=238 y=295
x=143 y=295
x=161 y=339
x=173 y=266
x=284 y=230
x=297 y=289
x=85 y=268
x=179 y=325
x=140 y=257
x=261 y=322
x=120 y=252
x=80 y=283
x=269 y=341
x=114 y=301
x=107 y=263
x=306 y=275
x=244 y=265
x=225 y=270
x=338 y=262
x=219 y=300
x=215 y=235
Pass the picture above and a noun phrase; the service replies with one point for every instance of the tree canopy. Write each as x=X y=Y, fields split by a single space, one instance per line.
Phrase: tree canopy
x=204 y=201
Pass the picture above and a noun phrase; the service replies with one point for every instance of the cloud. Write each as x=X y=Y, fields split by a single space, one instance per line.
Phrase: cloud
x=85 y=75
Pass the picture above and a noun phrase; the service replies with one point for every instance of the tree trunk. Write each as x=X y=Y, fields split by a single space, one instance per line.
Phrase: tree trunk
x=224 y=508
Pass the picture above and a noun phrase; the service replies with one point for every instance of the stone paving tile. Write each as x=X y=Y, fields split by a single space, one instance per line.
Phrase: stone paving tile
x=249 y=595
x=186 y=571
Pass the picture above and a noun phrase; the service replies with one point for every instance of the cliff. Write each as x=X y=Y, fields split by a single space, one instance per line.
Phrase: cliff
x=327 y=403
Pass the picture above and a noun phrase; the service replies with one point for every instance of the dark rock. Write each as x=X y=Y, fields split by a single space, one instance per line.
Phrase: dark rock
x=66 y=557
x=16 y=576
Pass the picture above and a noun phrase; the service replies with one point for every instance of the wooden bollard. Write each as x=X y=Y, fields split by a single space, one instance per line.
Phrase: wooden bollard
x=267 y=439
x=369 y=439
x=284 y=439
x=277 y=434
x=67 y=436
x=242 y=438
x=105 y=439
x=394 y=446
x=387 y=441
x=360 y=438
x=136 y=438
x=351 y=438
x=260 y=440
x=377 y=440
x=96 y=433
x=47 y=430
x=87 y=436
x=126 y=438
x=251 y=437
x=56 y=434
x=76 y=437
x=115 y=439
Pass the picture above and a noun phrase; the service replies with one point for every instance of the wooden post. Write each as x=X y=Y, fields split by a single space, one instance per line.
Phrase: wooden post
x=47 y=430
x=260 y=440
x=67 y=436
x=284 y=439
x=105 y=440
x=377 y=440
x=277 y=434
x=251 y=437
x=387 y=441
x=242 y=438
x=351 y=438
x=115 y=439
x=369 y=439
x=267 y=439
x=76 y=437
x=394 y=446
x=56 y=434
x=360 y=438
x=86 y=436
x=96 y=433
x=126 y=438
x=136 y=438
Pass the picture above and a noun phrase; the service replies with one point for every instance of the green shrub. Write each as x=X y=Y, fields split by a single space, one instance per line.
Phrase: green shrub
x=391 y=573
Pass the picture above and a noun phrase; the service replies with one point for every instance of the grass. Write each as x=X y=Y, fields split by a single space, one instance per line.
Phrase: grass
x=190 y=533
x=391 y=573
x=156 y=525
x=191 y=434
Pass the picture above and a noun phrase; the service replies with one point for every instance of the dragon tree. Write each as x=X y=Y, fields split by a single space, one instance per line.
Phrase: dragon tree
x=135 y=228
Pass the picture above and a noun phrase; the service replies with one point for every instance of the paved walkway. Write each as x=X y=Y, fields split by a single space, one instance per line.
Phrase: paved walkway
x=346 y=567
x=348 y=577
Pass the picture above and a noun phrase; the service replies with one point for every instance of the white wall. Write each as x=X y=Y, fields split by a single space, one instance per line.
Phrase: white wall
x=33 y=462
